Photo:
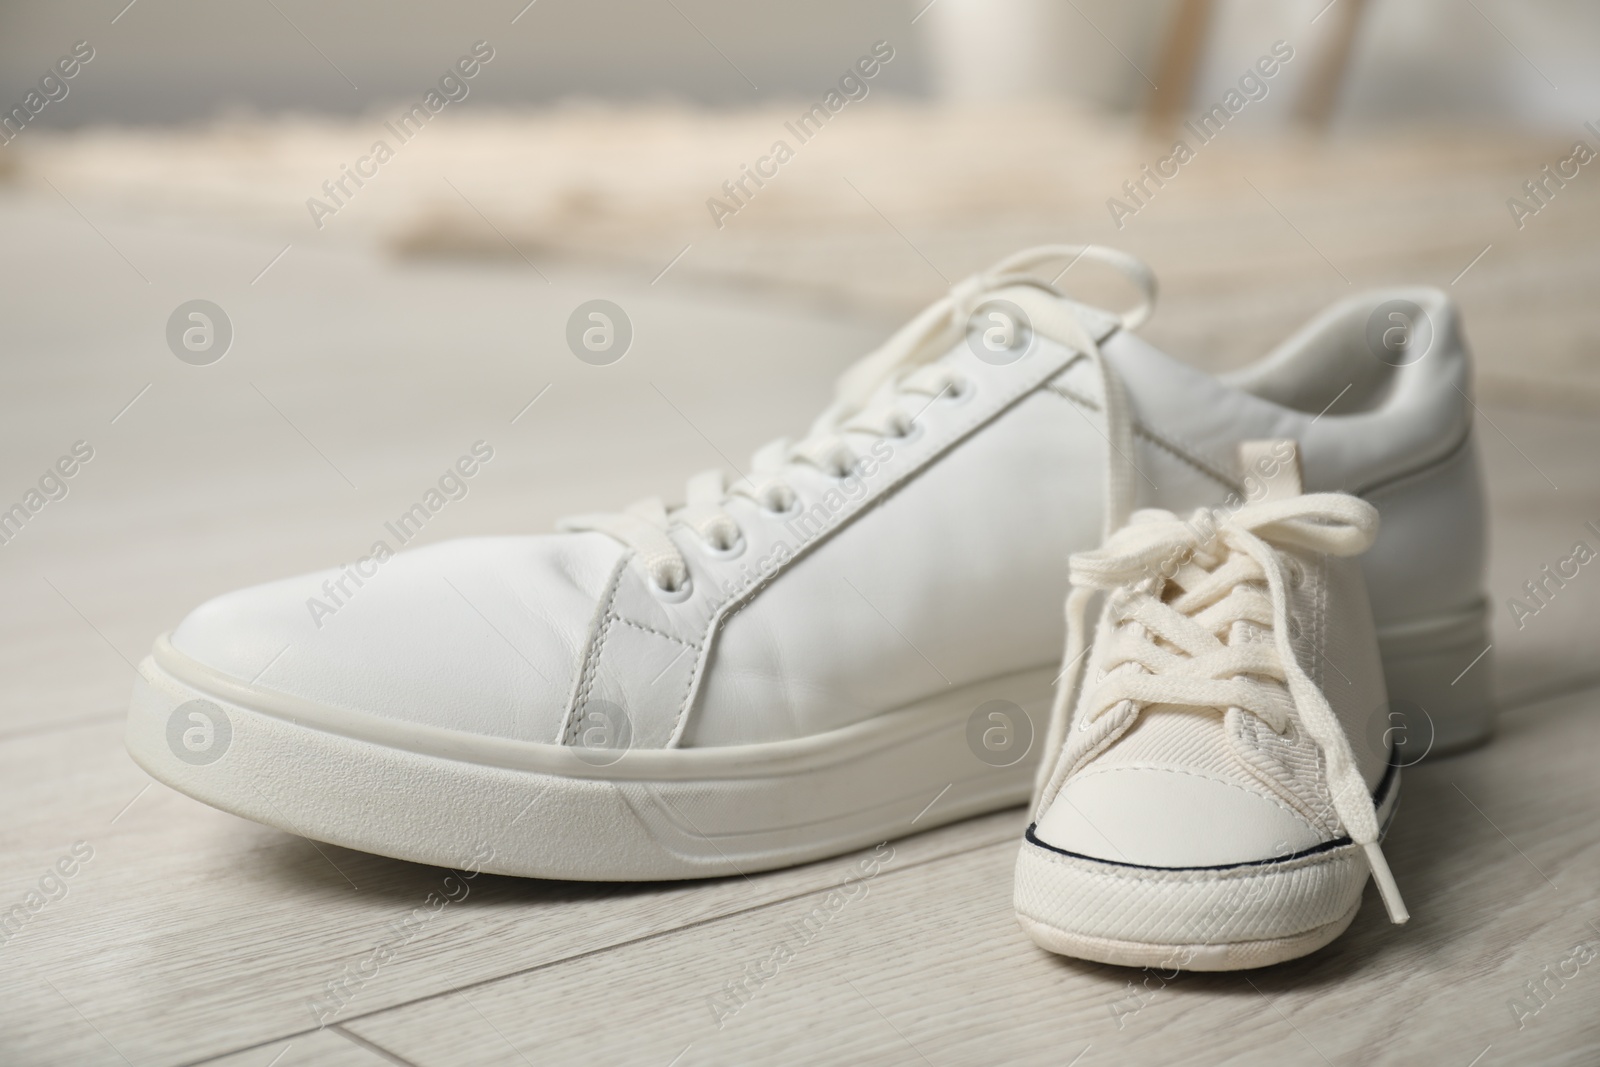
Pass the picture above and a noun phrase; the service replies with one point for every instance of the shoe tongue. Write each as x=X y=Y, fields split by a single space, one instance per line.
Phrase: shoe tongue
x=1185 y=738
x=1244 y=632
x=1190 y=739
x=1098 y=321
x=1196 y=739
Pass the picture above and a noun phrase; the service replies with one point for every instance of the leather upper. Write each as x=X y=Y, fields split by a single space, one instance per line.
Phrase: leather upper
x=944 y=567
x=479 y=634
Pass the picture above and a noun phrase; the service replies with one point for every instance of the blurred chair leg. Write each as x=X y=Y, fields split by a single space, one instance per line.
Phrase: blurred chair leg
x=1180 y=59
x=1317 y=102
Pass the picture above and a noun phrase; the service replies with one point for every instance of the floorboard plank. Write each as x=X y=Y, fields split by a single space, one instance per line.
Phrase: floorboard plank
x=321 y=1048
x=928 y=966
x=175 y=911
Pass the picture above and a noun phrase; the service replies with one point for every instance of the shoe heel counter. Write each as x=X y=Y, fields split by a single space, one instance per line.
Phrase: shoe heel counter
x=1426 y=579
x=1439 y=674
x=1432 y=551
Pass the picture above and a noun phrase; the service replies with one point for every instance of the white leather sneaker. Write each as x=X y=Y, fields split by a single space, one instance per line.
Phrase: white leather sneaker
x=1209 y=809
x=807 y=660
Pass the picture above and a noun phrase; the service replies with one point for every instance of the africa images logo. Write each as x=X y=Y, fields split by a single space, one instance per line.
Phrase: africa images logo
x=199 y=732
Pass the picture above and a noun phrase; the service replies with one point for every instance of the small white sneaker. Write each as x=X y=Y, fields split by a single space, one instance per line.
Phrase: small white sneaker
x=1208 y=809
x=806 y=660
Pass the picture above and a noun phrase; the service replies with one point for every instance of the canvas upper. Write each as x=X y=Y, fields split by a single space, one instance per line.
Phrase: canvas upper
x=1234 y=661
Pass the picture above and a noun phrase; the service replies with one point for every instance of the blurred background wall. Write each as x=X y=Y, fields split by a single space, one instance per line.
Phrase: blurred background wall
x=431 y=308
x=162 y=61
x=171 y=60
x=1391 y=149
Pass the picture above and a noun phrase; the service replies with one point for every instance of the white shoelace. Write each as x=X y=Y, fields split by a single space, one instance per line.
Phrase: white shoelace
x=1165 y=647
x=906 y=359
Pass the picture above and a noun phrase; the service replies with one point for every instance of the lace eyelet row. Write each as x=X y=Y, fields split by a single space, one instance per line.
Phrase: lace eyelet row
x=959 y=390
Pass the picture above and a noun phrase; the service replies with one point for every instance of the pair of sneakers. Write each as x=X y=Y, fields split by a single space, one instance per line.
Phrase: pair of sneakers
x=860 y=636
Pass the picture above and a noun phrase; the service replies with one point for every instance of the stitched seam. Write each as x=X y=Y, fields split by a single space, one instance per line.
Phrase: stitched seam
x=1177 y=451
x=1318 y=799
x=956 y=434
x=680 y=720
x=1458 y=452
x=589 y=680
x=683 y=700
x=1110 y=733
x=1289 y=788
x=1113 y=734
x=1263 y=764
x=1323 y=580
x=571 y=734
x=591 y=662
x=651 y=630
x=1321 y=791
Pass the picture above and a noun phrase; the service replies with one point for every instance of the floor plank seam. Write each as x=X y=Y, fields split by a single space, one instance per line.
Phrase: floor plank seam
x=1543 y=694
x=94 y=719
x=999 y=842
x=371 y=1046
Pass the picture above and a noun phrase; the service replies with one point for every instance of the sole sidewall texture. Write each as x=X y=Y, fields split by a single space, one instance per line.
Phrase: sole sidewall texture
x=1198 y=919
x=593 y=824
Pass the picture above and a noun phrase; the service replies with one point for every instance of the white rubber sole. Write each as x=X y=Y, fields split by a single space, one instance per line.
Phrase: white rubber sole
x=435 y=796
x=441 y=797
x=1234 y=956
x=1192 y=919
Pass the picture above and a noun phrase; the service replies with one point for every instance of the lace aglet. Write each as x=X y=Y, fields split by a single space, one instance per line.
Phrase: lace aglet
x=1386 y=884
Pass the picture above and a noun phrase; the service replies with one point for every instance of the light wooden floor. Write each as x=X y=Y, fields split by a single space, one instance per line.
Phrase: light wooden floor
x=192 y=936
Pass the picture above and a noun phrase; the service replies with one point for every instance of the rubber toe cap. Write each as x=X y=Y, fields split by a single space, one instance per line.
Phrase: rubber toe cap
x=1162 y=817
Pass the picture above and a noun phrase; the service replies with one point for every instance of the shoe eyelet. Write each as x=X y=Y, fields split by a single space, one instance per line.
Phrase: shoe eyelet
x=1297 y=573
x=913 y=430
x=960 y=390
x=672 y=596
x=732 y=551
x=789 y=509
x=839 y=474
